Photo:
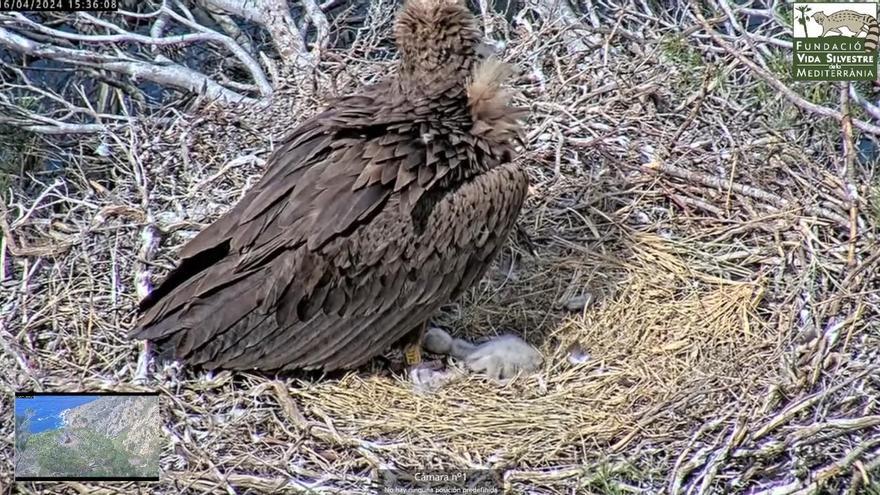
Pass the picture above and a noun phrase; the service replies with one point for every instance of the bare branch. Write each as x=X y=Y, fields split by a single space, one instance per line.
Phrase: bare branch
x=204 y=34
x=252 y=65
x=319 y=20
x=159 y=25
x=228 y=24
x=170 y=74
x=274 y=16
x=745 y=190
x=57 y=127
x=873 y=110
x=20 y=116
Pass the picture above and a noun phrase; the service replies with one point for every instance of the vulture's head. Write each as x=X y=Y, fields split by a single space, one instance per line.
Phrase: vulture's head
x=436 y=38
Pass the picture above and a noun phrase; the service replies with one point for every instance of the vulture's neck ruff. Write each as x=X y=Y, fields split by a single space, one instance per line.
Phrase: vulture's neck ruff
x=437 y=40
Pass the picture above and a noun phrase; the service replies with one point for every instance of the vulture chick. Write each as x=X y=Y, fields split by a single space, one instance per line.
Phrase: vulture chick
x=501 y=359
x=369 y=217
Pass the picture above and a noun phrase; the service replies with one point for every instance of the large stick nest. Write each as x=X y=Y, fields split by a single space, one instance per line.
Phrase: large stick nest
x=690 y=262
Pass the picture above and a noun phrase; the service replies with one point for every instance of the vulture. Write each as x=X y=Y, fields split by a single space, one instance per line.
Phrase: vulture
x=370 y=215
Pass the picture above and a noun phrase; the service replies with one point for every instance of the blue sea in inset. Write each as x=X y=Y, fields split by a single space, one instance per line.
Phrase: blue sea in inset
x=48 y=409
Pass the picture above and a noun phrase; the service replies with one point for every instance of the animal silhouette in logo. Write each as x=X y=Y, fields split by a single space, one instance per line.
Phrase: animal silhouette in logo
x=853 y=21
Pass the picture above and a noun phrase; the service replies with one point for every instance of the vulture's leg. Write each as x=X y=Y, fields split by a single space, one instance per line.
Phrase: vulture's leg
x=426 y=376
x=412 y=349
x=500 y=358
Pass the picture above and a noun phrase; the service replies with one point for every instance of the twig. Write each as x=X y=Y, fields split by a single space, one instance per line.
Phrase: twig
x=750 y=191
x=326 y=432
x=682 y=469
x=235 y=162
x=707 y=77
x=274 y=15
x=793 y=409
x=848 y=174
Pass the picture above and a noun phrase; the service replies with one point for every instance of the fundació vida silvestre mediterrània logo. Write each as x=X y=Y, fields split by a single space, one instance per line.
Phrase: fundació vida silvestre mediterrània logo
x=835 y=41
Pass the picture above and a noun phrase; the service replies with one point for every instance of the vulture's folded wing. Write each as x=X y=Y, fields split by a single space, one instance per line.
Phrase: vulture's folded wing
x=339 y=306
x=319 y=255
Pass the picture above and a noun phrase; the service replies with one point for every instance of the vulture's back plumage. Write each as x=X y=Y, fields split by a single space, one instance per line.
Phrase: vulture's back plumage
x=370 y=216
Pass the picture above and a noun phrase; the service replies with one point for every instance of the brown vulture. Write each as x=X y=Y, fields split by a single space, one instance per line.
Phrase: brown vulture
x=369 y=217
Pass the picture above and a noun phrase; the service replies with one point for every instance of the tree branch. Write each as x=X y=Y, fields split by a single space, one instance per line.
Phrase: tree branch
x=322 y=27
x=169 y=74
x=274 y=16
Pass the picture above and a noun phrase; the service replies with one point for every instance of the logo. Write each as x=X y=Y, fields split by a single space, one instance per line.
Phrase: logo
x=835 y=41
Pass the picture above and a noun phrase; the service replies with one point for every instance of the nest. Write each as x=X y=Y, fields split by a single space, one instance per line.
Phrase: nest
x=693 y=271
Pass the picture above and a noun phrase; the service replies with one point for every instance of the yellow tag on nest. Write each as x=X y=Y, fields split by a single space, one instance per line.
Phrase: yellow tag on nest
x=413 y=355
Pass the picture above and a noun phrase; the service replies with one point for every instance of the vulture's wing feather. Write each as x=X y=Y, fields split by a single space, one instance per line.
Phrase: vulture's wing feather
x=331 y=318
x=283 y=203
x=369 y=217
x=215 y=242
x=328 y=270
x=253 y=220
x=318 y=265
